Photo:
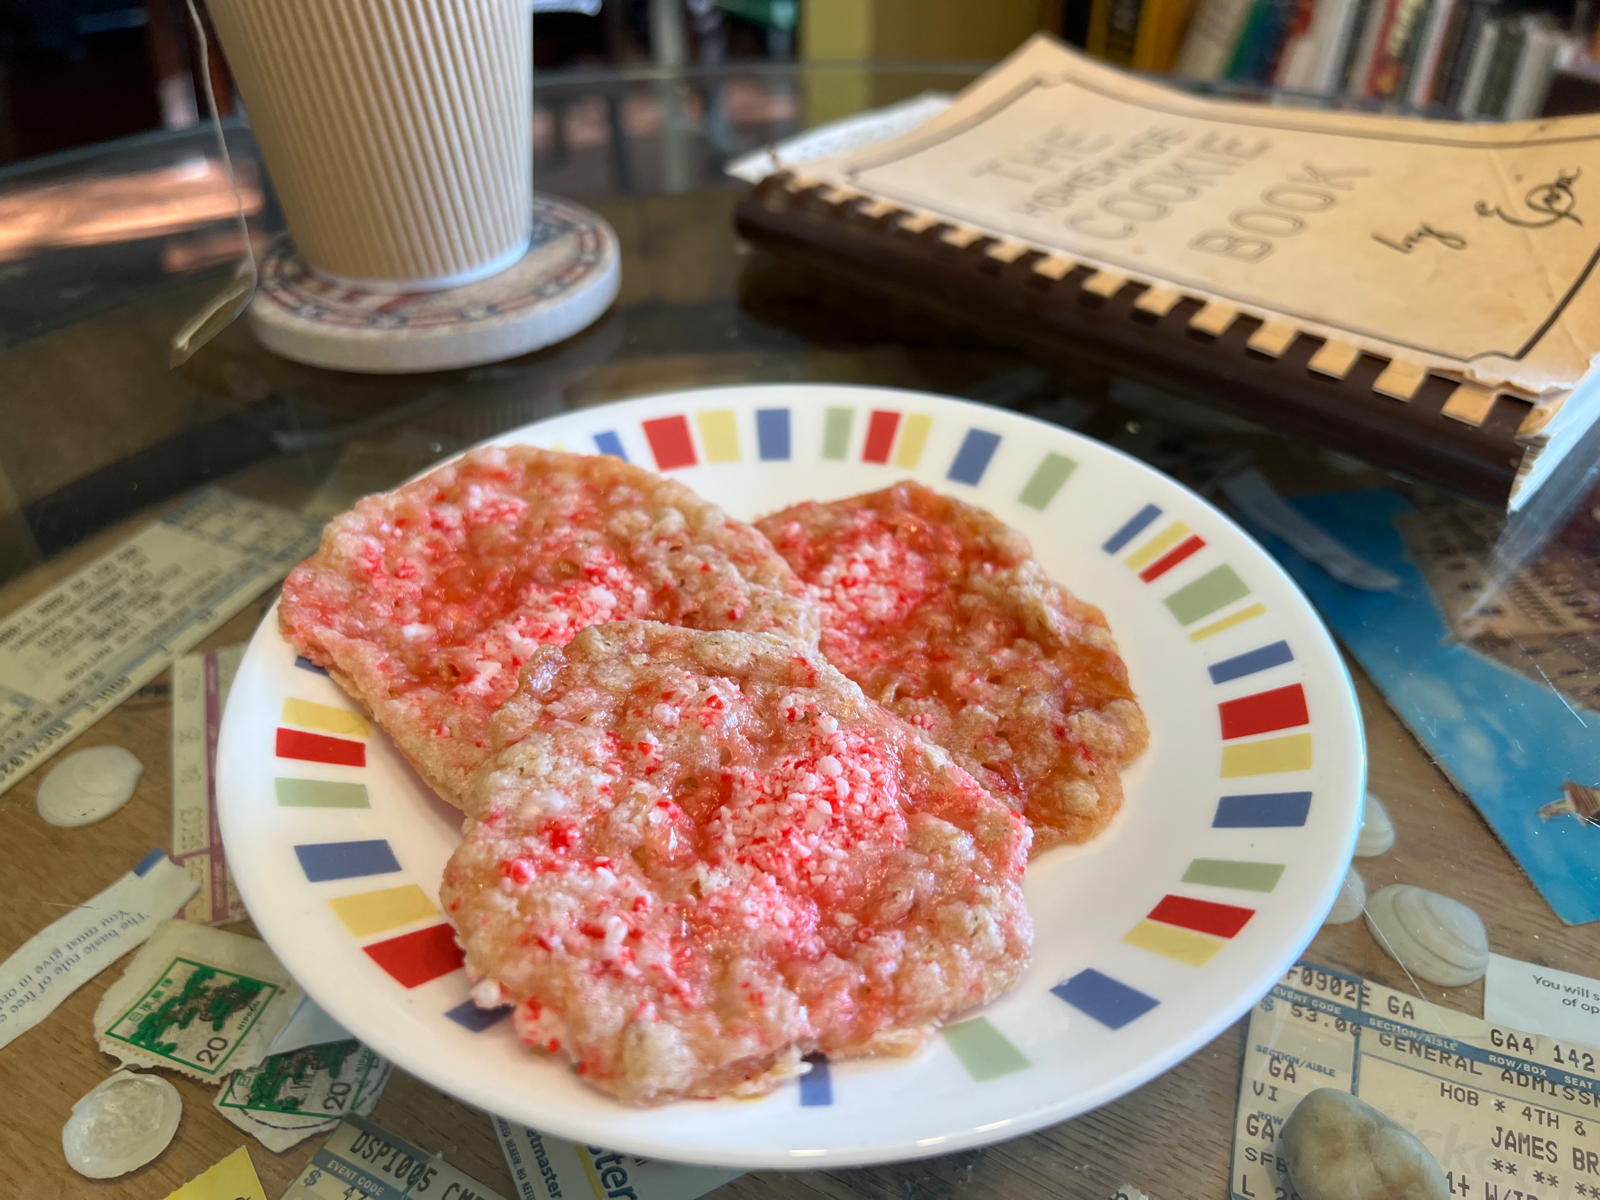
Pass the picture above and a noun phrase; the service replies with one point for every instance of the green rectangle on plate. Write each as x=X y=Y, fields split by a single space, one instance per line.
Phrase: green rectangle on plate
x=321 y=793
x=836 y=433
x=1226 y=872
x=983 y=1050
x=1046 y=480
x=1217 y=587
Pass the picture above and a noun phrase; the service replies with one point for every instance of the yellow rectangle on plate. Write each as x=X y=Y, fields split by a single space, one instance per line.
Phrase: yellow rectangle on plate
x=310 y=715
x=1228 y=622
x=913 y=437
x=719 y=435
x=1292 y=753
x=1157 y=546
x=1169 y=941
x=373 y=912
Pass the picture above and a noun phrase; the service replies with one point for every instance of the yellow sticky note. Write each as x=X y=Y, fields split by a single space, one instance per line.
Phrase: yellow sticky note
x=234 y=1178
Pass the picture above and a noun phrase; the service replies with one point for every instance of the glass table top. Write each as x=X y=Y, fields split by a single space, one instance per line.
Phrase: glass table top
x=1483 y=756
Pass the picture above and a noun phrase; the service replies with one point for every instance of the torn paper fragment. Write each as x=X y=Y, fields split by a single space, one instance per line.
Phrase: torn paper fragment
x=200 y=684
x=360 y=1161
x=234 y=1178
x=543 y=1167
x=1558 y=1004
x=198 y=1001
x=289 y=1097
x=309 y=1026
x=62 y=957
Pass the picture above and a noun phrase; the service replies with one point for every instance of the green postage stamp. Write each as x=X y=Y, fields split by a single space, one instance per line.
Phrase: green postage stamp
x=291 y=1096
x=196 y=1000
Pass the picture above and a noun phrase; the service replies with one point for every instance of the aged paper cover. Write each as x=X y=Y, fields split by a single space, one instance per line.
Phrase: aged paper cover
x=1464 y=249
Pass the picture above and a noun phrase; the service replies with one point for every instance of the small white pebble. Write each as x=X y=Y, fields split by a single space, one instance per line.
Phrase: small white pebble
x=830 y=766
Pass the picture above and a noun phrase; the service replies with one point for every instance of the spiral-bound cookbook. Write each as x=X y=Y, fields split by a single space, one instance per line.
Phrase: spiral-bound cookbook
x=1420 y=293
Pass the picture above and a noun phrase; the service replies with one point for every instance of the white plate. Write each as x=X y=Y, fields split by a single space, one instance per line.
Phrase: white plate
x=1238 y=827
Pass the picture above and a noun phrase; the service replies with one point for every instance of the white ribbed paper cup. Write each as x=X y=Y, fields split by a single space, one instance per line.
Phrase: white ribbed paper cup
x=396 y=132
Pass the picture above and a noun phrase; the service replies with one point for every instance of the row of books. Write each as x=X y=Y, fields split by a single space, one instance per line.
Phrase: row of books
x=1474 y=58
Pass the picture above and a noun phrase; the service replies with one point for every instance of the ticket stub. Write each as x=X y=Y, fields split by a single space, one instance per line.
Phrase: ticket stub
x=234 y=1178
x=360 y=1161
x=288 y=1097
x=196 y=1000
x=1509 y=1115
x=547 y=1168
x=200 y=684
x=95 y=638
x=1559 y=1004
x=63 y=956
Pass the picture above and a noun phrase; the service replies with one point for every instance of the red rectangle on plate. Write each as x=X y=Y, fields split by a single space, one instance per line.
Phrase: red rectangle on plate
x=880 y=435
x=416 y=958
x=318 y=748
x=1281 y=708
x=1202 y=916
x=670 y=442
x=1171 y=558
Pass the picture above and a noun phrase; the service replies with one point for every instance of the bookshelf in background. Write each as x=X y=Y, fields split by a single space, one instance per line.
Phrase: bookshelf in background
x=1472 y=59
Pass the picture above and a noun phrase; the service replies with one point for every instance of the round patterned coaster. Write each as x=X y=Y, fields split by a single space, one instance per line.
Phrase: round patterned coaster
x=568 y=277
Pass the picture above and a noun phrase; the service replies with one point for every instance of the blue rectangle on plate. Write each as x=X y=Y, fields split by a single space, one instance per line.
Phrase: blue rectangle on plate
x=1264 y=810
x=1107 y=1000
x=609 y=443
x=469 y=1016
x=322 y=861
x=1251 y=661
x=772 y=433
x=972 y=460
x=305 y=664
x=1135 y=525
x=816 y=1085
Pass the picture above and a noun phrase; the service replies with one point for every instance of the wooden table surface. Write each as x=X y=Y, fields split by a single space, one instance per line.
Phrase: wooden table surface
x=679 y=323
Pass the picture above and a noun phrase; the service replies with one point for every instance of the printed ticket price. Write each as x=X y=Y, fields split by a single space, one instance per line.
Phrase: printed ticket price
x=1509 y=1115
x=93 y=639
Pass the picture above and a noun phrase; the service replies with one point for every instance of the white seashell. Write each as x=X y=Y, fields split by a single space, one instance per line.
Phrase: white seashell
x=1430 y=935
x=121 y=1124
x=1377 y=830
x=88 y=786
x=1350 y=902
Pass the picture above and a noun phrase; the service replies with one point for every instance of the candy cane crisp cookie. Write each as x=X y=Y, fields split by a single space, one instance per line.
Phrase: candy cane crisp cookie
x=425 y=601
x=940 y=613
x=696 y=857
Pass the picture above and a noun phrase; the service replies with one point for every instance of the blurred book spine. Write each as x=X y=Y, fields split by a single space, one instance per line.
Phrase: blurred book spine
x=1161 y=27
x=1477 y=59
x=1213 y=32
